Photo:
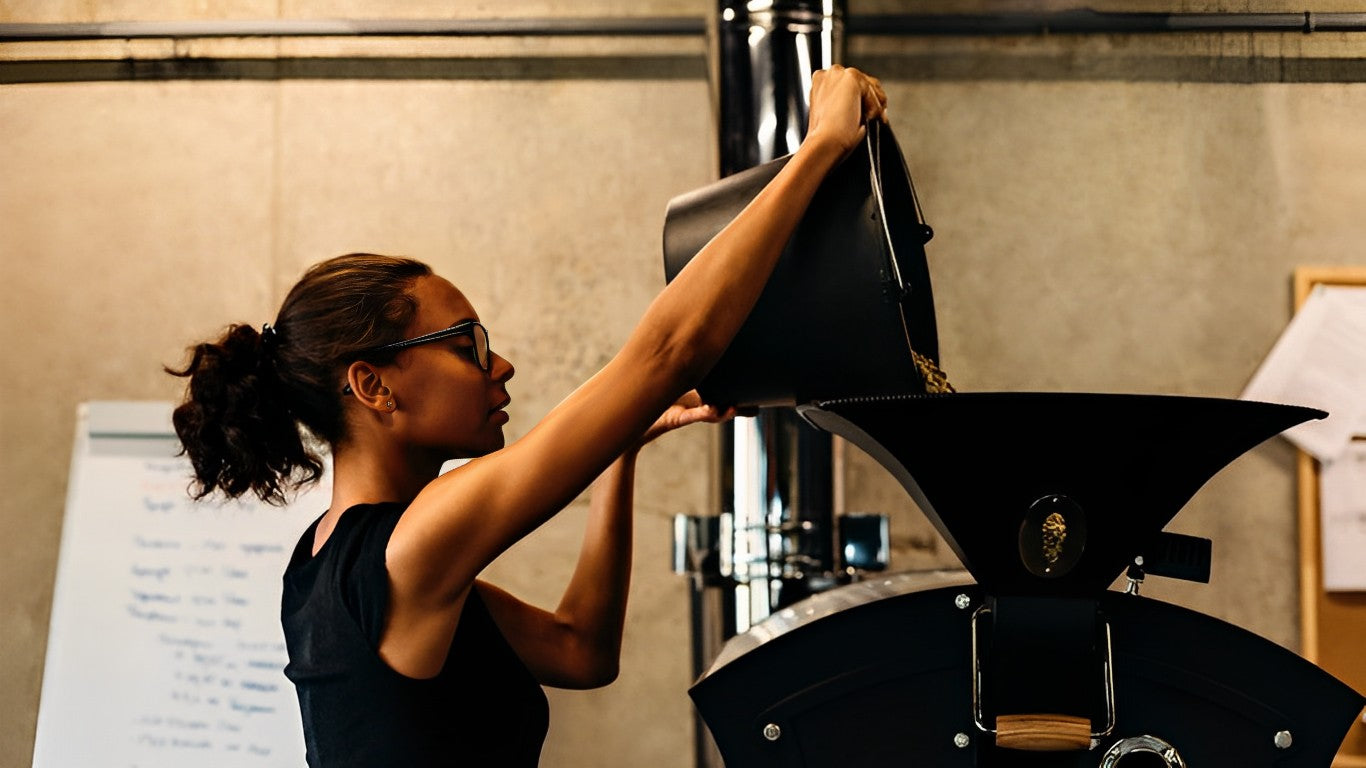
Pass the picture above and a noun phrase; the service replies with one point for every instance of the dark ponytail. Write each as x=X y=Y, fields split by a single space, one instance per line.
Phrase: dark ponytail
x=254 y=397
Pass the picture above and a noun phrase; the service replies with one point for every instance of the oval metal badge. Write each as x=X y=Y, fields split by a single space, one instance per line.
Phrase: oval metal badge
x=1052 y=536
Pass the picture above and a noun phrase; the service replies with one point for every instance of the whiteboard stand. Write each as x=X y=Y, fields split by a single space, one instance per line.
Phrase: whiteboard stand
x=165 y=647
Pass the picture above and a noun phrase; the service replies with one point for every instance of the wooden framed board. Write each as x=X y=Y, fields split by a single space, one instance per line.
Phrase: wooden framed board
x=1332 y=624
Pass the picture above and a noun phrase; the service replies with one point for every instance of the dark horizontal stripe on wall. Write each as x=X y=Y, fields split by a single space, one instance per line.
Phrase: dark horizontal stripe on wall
x=669 y=67
x=1084 y=21
x=1077 y=21
x=922 y=67
x=629 y=26
x=931 y=67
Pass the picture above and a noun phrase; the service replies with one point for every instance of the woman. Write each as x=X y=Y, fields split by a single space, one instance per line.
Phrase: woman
x=399 y=654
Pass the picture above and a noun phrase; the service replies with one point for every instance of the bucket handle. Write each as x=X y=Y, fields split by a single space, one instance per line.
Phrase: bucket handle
x=874 y=144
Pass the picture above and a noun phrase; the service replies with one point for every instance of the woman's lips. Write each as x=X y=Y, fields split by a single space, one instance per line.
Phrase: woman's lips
x=497 y=410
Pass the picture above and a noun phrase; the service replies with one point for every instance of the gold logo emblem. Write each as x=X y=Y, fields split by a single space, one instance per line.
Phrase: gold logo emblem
x=1054 y=536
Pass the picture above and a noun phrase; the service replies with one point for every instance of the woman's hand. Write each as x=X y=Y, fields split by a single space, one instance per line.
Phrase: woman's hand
x=843 y=100
x=689 y=409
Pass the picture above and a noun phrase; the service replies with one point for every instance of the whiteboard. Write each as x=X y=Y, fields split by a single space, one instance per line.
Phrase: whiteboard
x=165 y=647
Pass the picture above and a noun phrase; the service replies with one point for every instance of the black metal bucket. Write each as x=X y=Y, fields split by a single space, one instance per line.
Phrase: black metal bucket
x=850 y=297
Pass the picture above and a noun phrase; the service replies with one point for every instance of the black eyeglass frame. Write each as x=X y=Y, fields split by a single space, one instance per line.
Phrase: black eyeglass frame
x=484 y=360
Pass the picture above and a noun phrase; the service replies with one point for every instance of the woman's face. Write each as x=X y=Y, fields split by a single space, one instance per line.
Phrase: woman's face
x=444 y=402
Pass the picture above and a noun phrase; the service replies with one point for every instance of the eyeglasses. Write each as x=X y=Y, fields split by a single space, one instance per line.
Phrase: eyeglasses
x=477 y=333
x=483 y=356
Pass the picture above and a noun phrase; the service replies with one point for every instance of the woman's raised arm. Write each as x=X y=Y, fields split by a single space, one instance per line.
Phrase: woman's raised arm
x=578 y=645
x=464 y=519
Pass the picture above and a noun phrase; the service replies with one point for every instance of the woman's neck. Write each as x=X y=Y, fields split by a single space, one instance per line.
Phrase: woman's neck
x=362 y=476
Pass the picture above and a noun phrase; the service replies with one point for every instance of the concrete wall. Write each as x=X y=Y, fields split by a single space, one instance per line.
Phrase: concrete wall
x=1113 y=214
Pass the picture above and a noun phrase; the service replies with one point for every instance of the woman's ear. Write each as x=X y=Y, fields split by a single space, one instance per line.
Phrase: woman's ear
x=367 y=387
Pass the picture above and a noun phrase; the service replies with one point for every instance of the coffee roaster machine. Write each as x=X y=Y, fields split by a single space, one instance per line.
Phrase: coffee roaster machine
x=1028 y=658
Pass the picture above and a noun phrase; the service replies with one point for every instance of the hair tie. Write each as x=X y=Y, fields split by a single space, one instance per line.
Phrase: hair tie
x=270 y=338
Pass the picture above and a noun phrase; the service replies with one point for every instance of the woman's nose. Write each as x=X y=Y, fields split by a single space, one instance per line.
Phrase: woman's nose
x=501 y=369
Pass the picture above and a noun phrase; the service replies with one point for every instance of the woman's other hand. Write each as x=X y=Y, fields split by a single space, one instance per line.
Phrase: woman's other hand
x=689 y=409
x=843 y=100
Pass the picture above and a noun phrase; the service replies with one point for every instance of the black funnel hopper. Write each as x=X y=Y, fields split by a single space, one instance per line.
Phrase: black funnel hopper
x=848 y=300
x=1052 y=493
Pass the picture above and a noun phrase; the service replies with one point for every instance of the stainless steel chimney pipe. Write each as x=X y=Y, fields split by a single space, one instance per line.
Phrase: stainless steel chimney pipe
x=774 y=541
x=776 y=507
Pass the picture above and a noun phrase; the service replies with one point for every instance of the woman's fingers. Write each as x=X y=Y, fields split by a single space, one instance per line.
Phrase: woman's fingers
x=881 y=98
x=690 y=399
x=843 y=101
x=699 y=414
x=688 y=409
x=874 y=98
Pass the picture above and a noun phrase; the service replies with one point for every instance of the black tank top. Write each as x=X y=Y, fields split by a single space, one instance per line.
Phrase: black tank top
x=483 y=709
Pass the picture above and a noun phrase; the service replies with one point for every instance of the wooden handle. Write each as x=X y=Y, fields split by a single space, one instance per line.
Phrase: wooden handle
x=1043 y=733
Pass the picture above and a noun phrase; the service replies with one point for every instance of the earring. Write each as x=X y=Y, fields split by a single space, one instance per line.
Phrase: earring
x=389 y=404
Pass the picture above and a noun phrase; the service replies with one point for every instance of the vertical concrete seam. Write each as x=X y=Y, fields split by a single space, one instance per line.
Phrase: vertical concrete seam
x=276 y=148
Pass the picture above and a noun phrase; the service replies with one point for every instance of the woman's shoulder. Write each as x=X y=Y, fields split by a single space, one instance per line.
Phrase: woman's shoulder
x=358 y=527
x=368 y=522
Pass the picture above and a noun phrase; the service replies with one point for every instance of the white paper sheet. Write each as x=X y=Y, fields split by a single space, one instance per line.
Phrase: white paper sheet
x=1342 y=504
x=1320 y=361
